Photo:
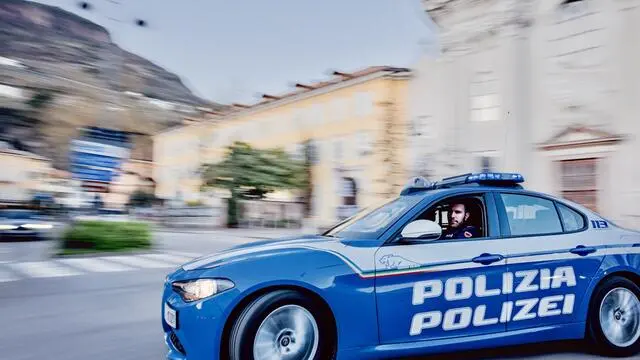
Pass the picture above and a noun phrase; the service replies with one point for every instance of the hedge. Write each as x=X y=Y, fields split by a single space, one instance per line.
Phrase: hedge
x=106 y=236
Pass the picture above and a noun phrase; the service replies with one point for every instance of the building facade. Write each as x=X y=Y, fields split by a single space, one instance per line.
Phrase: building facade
x=547 y=88
x=356 y=124
x=23 y=175
x=135 y=175
x=177 y=154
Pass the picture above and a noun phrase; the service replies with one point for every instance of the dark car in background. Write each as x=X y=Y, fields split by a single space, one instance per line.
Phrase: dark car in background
x=24 y=225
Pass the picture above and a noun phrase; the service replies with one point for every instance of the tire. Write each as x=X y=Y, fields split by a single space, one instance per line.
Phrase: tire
x=282 y=305
x=608 y=312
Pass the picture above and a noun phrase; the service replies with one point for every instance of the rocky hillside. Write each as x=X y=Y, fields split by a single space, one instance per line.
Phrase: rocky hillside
x=52 y=40
x=72 y=68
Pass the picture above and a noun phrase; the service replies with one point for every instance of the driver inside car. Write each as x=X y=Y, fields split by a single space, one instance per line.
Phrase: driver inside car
x=459 y=226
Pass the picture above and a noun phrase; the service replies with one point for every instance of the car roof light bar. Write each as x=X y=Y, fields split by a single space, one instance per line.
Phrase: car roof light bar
x=485 y=178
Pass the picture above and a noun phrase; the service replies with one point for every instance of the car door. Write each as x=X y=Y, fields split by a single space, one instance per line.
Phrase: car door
x=551 y=259
x=443 y=288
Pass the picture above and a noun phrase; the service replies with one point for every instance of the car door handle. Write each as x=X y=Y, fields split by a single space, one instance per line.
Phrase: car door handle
x=486 y=259
x=583 y=250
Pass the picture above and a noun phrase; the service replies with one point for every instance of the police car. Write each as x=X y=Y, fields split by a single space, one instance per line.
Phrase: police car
x=469 y=262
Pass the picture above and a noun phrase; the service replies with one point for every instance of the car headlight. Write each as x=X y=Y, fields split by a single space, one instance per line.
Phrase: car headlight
x=37 y=226
x=8 y=227
x=194 y=290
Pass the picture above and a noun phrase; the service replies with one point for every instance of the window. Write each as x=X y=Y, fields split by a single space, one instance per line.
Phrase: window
x=349 y=191
x=571 y=220
x=372 y=222
x=529 y=215
x=337 y=150
x=476 y=219
x=363 y=103
x=296 y=151
x=485 y=108
x=485 y=164
x=423 y=127
x=316 y=115
x=578 y=182
x=485 y=98
x=364 y=143
x=339 y=109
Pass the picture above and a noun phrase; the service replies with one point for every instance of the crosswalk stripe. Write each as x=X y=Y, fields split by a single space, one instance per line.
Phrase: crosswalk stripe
x=43 y=269
x=7 y=275
x=95 y=265
x=13 y=271
x=138 y=262
x=170 y=258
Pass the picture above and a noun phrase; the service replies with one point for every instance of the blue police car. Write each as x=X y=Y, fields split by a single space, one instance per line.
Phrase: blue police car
x=469 y=262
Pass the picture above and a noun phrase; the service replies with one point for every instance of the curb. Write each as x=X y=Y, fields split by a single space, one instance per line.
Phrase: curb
x=106 y=253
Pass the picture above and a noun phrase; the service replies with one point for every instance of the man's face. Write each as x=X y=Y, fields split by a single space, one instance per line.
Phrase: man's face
x=457 y=215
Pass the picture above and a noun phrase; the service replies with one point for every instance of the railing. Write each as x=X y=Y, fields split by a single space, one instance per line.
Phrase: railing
x=345 y=211
x=191 y=216
x=270 y=214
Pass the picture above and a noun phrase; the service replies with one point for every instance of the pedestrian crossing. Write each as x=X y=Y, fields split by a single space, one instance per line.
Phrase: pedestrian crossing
x=68 y=267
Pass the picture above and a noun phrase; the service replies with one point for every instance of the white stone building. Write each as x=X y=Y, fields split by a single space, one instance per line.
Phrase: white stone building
x=547 y=88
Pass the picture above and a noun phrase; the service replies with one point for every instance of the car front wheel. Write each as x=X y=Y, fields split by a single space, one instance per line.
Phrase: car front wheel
x=283 y=325
x=614 y=317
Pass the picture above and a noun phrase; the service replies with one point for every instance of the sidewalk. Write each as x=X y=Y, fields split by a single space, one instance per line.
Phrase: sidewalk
x=255 y=233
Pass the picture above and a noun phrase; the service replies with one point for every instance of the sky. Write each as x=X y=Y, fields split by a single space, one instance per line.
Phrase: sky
x=232 y=50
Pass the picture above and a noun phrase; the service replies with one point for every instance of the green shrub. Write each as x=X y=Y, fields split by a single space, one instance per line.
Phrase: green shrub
x=107 y=236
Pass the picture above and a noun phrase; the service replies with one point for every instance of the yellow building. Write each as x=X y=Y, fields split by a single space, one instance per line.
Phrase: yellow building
x=136 y=174
x=23 y=174
x=357 y=123
x=176 y=160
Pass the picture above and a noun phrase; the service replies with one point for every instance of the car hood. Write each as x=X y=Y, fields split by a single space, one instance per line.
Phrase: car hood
x=247 y=250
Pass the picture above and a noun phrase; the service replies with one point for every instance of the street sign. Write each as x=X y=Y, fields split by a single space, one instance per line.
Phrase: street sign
x=98 y=155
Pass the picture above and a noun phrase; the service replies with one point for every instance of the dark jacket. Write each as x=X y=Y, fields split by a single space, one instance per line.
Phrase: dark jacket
x=461 y=233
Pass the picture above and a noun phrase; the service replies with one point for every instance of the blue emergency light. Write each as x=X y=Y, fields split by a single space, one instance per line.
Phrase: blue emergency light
x=485 y=178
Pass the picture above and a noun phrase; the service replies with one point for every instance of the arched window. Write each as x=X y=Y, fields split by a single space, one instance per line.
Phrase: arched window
x=484 y=97
x=349 y=191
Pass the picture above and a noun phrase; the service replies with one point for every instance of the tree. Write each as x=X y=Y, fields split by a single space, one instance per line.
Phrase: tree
x=252 y=173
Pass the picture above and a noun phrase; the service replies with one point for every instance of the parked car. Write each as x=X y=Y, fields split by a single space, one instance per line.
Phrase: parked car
x=24 y=225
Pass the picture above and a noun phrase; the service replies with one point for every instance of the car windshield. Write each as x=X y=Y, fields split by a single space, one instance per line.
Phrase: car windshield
x=371 y=222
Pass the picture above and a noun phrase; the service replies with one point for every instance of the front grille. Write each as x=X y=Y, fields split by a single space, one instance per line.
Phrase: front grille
x=176 y=343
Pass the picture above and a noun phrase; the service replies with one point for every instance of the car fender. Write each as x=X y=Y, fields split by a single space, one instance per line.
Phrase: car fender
x=610 y=266
x=350 y=297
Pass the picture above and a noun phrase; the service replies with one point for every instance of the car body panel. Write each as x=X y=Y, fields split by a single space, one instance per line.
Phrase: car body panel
x=406 y=282
x=429 y=347
x=312 y=265
x=22 y=222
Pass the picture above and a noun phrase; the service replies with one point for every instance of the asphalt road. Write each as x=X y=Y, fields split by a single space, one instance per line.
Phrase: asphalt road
x=116 y=314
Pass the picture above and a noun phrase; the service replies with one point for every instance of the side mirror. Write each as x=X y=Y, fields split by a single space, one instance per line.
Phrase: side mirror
x=421 y=230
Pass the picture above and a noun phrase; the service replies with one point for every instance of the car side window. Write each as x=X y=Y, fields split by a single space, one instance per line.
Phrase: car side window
x=530 y=215
x=571 y=219
x=460 y=217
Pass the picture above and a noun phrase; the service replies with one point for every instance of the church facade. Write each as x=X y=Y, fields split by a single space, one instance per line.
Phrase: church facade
x=547 y=88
